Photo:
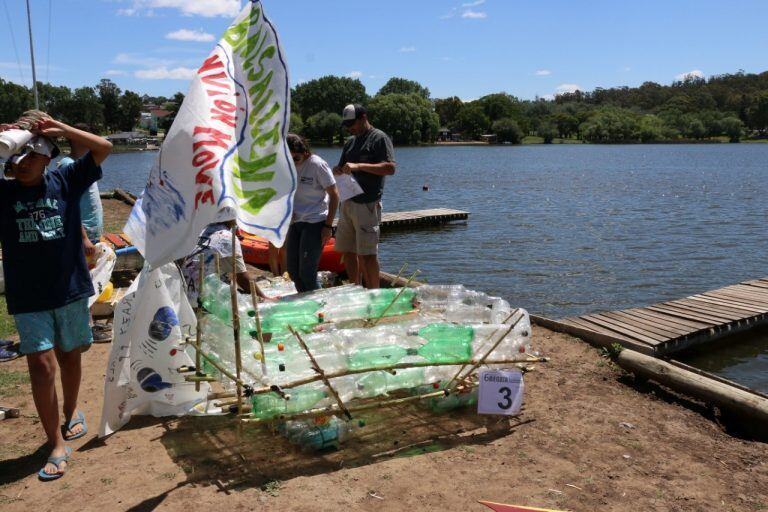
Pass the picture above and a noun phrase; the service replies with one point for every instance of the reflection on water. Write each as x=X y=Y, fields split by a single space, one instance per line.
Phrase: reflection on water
x=741 y=358
x=571 y=229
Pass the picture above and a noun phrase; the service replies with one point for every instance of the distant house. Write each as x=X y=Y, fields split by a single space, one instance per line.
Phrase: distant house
x=489 y=138
x=131 y=139
x=448 y=135
x=158 y=114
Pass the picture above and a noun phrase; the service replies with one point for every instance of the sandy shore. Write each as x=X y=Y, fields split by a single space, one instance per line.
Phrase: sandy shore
x=589 y=439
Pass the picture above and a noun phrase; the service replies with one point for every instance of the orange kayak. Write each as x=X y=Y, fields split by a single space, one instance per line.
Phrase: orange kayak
x=256 y=252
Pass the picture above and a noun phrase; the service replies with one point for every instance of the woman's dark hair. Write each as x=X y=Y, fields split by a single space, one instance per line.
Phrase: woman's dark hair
x=297 y=144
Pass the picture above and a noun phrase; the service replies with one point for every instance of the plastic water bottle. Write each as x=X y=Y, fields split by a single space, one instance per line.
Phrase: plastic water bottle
x=404 y=379
x=328 y=435
x=453 y=401
x=378 y=356
x=446 y=343
x=371 y=384
x=272 y=405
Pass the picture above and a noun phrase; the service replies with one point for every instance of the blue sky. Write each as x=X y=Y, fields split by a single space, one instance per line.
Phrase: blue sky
x=465 y=48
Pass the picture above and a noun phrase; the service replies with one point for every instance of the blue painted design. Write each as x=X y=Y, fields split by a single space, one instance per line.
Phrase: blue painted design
x=163 y=204
x=151 y=381
x=162 y=323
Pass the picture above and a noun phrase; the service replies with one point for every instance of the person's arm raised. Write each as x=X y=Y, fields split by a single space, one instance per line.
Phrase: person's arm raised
x=99 y=147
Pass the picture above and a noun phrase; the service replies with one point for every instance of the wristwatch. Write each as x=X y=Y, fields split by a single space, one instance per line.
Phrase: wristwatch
x=329 y=226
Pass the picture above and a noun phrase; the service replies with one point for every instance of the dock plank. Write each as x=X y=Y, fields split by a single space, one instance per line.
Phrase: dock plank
x=688 y=325
x=622 y=329
x=645 y=326
x=676 y=329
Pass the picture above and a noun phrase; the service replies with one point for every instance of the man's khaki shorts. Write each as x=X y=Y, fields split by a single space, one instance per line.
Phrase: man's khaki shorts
x=358 y=228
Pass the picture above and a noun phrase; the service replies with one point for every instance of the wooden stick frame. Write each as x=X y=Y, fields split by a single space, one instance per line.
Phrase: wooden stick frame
x=198 y=315
x=236 y=321
x=259 y=333
x=321 y=373
x=402 y=289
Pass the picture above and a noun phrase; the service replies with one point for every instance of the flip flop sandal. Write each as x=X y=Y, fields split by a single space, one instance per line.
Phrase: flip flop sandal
x=56 y=461
x=79 y=419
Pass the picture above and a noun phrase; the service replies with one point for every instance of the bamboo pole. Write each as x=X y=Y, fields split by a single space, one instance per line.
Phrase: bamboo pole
x=198 y=315
x=486 y=339
x=373 y=324
x=236 y=321
x=321 y=373
x=333 y=408
x=398 y=366
x=257 y=318
x=520 y=316
x=219 y=367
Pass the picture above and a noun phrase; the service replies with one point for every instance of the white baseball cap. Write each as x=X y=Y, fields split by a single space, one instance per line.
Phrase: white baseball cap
x=351 y=113
x=40 y=145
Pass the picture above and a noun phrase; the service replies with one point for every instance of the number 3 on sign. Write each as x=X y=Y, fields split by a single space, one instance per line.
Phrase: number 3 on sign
x=501 y=392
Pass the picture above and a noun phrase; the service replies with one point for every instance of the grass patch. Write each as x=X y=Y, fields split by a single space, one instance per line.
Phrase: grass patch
x=12 y=382
x=7 y=326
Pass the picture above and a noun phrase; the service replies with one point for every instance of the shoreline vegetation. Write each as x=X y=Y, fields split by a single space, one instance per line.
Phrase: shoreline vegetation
x=721 y=108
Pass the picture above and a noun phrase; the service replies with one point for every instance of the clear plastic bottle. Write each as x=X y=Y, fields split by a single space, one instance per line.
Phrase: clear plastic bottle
x=446 y=343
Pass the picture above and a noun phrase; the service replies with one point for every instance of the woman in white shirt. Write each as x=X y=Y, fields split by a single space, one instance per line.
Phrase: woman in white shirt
x=314 y=207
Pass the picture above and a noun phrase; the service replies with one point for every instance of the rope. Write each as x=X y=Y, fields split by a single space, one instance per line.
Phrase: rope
x=13 y=40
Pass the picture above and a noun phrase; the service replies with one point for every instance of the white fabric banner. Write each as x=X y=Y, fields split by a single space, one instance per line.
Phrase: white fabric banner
x=151 y=322
x=226 y=148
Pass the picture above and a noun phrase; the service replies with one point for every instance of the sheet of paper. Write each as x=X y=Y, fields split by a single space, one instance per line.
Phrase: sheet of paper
x=348 y=186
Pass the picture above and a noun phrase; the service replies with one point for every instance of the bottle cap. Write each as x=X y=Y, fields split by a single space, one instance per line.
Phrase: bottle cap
x=281 y=367
x=280 y=347
x=257 y=356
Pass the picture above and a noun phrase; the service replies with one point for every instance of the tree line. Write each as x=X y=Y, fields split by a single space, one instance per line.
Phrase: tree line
x=734 y=106
x=104 y=107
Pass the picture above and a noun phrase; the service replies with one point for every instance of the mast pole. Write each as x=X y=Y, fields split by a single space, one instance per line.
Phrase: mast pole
x=32 y=55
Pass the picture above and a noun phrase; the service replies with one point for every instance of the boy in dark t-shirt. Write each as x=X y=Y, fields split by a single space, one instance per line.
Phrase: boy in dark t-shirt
x=46 y=276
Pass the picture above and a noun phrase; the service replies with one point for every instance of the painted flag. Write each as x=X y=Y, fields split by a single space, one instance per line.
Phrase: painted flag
x=226 y=148
x=502 y=507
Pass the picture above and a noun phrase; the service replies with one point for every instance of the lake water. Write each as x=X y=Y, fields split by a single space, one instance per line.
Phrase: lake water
x=571 y=229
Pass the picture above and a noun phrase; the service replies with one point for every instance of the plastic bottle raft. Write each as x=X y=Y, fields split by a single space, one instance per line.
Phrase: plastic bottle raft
x=439 y=329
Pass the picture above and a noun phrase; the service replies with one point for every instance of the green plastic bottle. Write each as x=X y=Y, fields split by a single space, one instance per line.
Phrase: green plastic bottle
x=446 y=343
x=271 y=405
x=453 y=401
x=381 y=300
x=405 y=378
x=302 y=315
x=377 y=356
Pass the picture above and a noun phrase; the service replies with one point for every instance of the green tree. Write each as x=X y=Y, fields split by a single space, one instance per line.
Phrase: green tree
x=757 y=112
x=109 y=95
x=610 y=124
x=130 y=106
x=55 y=100
x=732 y=127
x=87 y=108
x=403 y=86
x=328 y=94
x=323 y=126
x=567 y=124
x=406 y=118
x=14 y=100
x=507 y=130
x=547 y=131
x=695 y=129
x=296 y=125
x=501 y=105
x=447 y=109
x=650 y=128
x=172 y=106
x=472 y=121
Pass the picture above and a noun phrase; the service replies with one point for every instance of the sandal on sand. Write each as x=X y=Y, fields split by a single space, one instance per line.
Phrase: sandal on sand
x=56 y=461
x=78 y=419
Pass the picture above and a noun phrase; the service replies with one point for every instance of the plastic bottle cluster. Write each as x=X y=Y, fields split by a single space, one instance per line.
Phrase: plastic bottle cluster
x=437 y=328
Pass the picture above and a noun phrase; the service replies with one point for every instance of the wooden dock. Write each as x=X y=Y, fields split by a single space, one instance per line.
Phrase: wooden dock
x=432 y=217
x=668 y=327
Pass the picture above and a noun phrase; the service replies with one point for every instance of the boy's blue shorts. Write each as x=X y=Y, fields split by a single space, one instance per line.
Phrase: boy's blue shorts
x=67 y=327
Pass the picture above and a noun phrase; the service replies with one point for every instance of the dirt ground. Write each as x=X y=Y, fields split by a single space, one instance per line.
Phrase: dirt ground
x=589 y=439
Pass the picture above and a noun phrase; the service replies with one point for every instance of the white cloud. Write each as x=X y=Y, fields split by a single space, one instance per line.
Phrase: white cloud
x=473 y=4
x=115 y=72
x=563 y=88
x=354 y=74
x=163 y=73
x=205 y=8
x=543 y=72
x=694 y=73
x=190 y=35
x=474 y=15
x=626 y=69
x=133 y=59
x=407 y=49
